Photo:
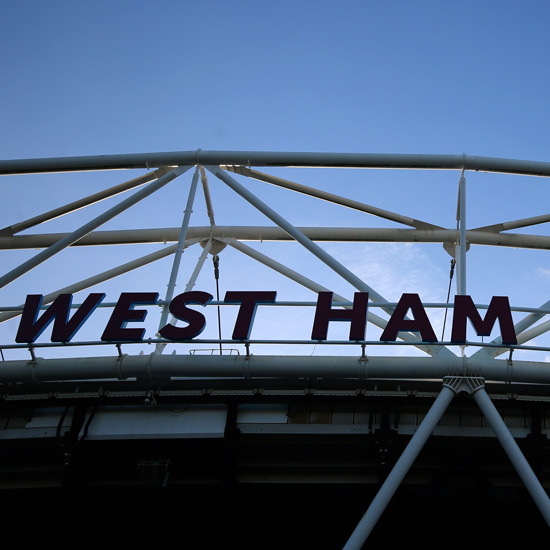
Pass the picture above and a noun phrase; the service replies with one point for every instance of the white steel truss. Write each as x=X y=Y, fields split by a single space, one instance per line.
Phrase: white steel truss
x=409 y=358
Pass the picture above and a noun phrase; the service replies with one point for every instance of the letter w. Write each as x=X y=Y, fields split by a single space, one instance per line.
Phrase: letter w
x=31 y=327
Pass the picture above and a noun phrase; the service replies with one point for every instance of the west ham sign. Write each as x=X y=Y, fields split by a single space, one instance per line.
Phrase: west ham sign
x=409 y=315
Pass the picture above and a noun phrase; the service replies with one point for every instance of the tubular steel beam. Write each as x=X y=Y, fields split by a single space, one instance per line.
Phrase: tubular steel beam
x=514 y=453
x=99 y=278
x=517 y=224
x=269 y=233
x=82 y=203
x=296 y=234
x=330 y=197
x=521 y=331
x=179 y=248
x=309 y=245
x=88 y=227
x=263 y=158
x=399 y=471
x=155 y=366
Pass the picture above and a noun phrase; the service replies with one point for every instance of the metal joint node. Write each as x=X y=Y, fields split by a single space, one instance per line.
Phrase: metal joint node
x=468 y=384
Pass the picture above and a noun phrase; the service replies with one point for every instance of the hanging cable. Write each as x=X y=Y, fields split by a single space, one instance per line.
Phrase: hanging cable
x=216 y=261
x=453 y=262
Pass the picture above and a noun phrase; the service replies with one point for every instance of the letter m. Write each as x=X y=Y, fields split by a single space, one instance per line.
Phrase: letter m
x=32 y=326
x=499 y=308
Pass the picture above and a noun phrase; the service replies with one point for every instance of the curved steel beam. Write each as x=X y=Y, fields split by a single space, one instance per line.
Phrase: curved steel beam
x=265 y=158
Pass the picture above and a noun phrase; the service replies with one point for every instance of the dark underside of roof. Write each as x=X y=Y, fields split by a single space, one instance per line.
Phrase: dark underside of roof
x=268 y=491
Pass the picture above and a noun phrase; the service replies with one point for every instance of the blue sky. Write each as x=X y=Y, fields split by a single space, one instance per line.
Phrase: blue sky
x=92 y=78
x=104 y=77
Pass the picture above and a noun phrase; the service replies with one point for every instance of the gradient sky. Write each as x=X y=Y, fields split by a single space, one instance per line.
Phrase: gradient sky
x=92 y=78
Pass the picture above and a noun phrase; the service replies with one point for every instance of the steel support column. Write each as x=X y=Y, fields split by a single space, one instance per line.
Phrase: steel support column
x=179 y=250
x=461 y=249
x=533 y=485
x=402 y=466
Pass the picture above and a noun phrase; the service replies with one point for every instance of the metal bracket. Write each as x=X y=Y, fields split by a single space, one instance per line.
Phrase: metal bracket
x=468 y=384
x=363 y=363
x=33 y=356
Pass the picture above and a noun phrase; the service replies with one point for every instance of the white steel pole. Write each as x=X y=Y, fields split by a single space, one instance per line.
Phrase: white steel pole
x=461 y=259
x=179 y=248
x=272 y=158
x=330 y=197
x=533 y=485
x=402 y=466
x=262 y=366
x=89 y=227
x=269 y=233
x=81 y=203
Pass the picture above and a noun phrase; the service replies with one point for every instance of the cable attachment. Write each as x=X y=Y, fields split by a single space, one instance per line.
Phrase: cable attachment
x=451 y=274
x=216 y=261
x=453 y=263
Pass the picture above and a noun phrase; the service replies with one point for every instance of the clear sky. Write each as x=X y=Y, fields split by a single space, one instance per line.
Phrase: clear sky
x=93 y=78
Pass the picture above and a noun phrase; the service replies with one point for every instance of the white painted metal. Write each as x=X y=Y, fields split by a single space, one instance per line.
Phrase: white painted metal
x=331 y=197
x=149 y=369
x=190 y=284
x=270 y=233
x=462 y=244
x=399 y=471
x=263 y=158
x=179 y=249
x=82 y=203
x=514 y=453
x=312 y=285
x=100 y=278
x=89 y=227
x=261 y=366
x=297 y=234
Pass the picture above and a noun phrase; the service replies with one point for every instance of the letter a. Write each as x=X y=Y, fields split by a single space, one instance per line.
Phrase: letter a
x=420 y=323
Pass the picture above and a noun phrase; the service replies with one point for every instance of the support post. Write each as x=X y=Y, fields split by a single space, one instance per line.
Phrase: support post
x=533 y=485
x=402 y=466
x=462 y=246
x=179 y=248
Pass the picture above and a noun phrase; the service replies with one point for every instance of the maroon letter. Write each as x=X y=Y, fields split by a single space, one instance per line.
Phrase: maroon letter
x=499 y=308
x=196 y=321
x=324 y=313
x=124 y=312
x=248 y=300
x=30 y=328
x=420 y=323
